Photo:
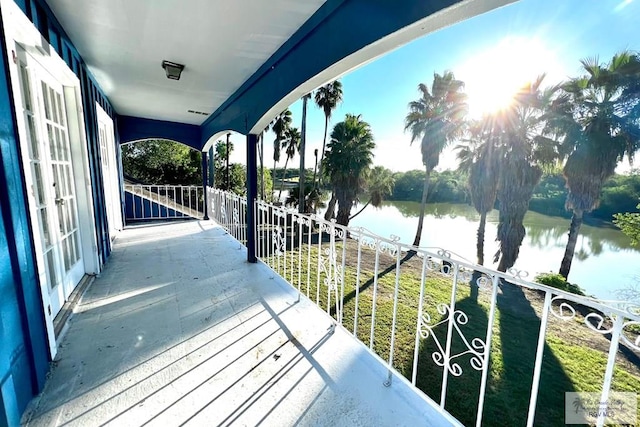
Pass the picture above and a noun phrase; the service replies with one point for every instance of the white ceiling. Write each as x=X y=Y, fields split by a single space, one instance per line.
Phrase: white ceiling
x=221 y=42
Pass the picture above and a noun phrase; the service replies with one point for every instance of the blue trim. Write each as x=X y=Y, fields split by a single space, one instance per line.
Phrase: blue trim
x=205 y=180
x=116 y=131
x=95 y=166
x=24 y=355
x=325 y=10
x=137 y=128
x=252 y=195
x=337 y=29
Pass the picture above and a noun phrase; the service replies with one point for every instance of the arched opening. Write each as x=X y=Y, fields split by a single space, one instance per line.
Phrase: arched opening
x=162 y=179
x=161 y=161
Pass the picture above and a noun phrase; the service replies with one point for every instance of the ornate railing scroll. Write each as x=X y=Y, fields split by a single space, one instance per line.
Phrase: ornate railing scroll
x=230 y=211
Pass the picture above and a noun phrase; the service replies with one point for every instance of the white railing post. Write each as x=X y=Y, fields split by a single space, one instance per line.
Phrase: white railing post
x=395 y=314
x=320 y=230
x=618 y=324
x=357 y=287
x=375 y=294
x=539 y=355
x=487 y=350
x=416 y=349
x=309 y=247
x=343 y=267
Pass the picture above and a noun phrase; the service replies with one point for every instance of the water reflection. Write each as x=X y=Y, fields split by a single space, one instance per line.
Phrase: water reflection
x=542 y=230
x=454 y=226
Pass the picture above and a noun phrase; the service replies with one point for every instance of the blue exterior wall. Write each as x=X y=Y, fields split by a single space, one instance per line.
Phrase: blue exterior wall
x=24 y=350
x=24 y=353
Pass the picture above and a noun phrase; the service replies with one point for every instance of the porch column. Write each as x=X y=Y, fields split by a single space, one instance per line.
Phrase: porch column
x=212 y=172
x=205 y=181
x=252 y=195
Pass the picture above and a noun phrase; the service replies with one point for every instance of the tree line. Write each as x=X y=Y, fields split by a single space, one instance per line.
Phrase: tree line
x=619 y=194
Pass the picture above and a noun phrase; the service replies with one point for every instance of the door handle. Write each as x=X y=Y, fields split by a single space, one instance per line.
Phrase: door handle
x=59 y=201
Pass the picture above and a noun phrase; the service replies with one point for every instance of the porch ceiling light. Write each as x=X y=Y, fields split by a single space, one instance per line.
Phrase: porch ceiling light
x=172 y=69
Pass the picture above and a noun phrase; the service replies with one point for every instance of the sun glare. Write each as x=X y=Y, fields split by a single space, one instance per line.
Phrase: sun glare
x=494 y=75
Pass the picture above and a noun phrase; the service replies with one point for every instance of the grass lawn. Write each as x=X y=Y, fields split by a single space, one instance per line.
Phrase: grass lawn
x=574 y=355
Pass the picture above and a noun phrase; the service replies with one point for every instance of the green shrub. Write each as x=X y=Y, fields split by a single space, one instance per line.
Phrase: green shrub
x=556 y=280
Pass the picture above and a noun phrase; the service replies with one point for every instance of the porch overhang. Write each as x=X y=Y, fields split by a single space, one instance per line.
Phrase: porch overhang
x=136 y=129
x=244 y=63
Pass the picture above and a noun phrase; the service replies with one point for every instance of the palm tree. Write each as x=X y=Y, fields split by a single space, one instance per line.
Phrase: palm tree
x=291 y=145
x=349 y=155
x=379 y=183
x=480 y=161
x=436 y=119
x=524 y=147
x=327 y=98
x=312 y=199
x=315 y=164
x=605 y=103
x=280 y=126
x=221 y=161
x=261 y=152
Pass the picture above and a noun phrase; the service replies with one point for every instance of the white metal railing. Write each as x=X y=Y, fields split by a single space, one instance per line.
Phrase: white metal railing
x=153 y=202
x=428 y=313
x=230 y=211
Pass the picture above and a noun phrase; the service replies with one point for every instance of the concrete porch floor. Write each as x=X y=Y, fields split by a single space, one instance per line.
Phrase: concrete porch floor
x=180 y=329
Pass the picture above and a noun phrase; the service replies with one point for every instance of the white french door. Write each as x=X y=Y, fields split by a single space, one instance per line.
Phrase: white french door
x=109 y=171
x=52 y=182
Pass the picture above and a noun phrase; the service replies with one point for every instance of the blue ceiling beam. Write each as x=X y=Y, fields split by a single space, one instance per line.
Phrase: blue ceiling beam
x=338 y=29
x=136 y=129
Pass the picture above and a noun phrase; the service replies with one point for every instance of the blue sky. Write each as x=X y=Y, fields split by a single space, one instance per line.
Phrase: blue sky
x=493 y=53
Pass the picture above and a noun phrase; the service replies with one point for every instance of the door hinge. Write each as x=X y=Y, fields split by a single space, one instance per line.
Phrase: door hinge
x=49 y=309
x=14 y=56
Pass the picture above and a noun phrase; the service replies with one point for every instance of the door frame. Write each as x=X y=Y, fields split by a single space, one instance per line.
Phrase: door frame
x=21 y=34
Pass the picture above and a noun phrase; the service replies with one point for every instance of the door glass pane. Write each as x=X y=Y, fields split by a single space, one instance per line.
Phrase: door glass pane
x=67 y=218
x=61 y=219
x=45 y=100
x=38 y=184
x=51 y=270
x=60 y=181
x=67 y=173
x=60 y=110
x=45 y=227
x=66 y=255
x=56 y=134
x=72 y=210
x=52 y=142
x=33 y=138
x=74 y=245
x=54 y=108
x=26 y=88
x=56 y=180
x=64 y=144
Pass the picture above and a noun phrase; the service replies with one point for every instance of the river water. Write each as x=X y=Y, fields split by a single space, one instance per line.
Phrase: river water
x=604 y=261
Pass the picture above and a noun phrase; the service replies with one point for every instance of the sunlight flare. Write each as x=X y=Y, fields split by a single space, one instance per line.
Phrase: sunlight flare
x=495 y=74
